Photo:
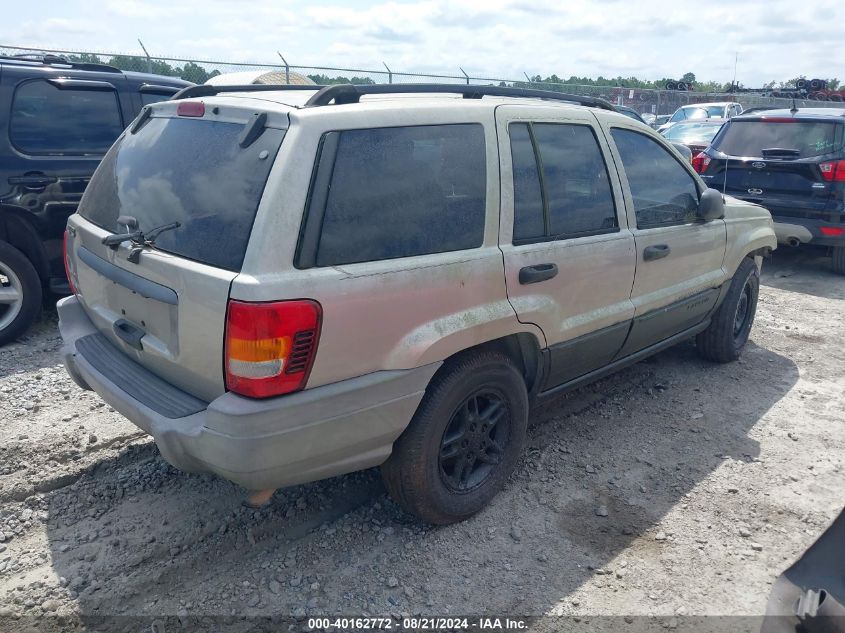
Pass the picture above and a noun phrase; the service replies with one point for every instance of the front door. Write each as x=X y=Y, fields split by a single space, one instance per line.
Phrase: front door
x=679 y=256
x=569 y=255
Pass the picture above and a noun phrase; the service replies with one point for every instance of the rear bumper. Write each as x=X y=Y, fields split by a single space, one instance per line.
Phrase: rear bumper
x=805 y=230
x=262 y=444
x=797 y=224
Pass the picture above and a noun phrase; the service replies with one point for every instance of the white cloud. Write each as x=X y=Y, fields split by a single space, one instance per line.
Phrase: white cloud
x=494 y=38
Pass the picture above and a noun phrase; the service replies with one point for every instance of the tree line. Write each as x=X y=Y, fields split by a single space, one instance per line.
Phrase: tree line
x=195 y=73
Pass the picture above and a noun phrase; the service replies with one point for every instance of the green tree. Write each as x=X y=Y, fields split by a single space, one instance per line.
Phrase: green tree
x=84 y=58
x=688 y=78
x=325 y=80
x=193 y=72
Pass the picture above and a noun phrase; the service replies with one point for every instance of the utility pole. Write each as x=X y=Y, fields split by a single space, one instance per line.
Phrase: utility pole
x=736 y=61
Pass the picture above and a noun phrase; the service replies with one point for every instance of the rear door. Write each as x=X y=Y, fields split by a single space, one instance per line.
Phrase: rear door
x=774 y=161
x=59 y=126
x=569 y=255
x=679 y=257
x=166 y=308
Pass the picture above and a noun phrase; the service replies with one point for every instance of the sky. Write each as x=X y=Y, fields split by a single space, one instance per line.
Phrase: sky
x=775 y=39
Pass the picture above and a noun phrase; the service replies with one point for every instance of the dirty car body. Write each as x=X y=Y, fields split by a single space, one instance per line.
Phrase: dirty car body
x=346 y=266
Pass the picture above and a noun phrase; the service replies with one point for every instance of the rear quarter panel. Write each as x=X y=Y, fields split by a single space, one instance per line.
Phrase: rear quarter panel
x=391 y=314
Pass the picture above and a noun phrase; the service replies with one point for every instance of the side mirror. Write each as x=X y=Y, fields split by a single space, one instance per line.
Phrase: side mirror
x=711 y=206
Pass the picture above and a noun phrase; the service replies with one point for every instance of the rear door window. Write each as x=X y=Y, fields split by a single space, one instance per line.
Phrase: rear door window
x=189 y=171
x=46 y=119
x=570 y=196
x=400 y=192
x=752 y=138
x=528 y=206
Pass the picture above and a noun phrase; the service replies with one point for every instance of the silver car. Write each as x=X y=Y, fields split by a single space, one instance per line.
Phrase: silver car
x=282 y=285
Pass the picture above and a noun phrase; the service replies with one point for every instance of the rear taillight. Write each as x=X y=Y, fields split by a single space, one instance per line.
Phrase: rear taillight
x=700 y=162
x=67 y=264
x=833 y=171
x=270 y=347
x=832 y=231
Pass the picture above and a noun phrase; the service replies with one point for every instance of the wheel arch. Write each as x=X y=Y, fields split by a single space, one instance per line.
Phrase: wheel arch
x=17 y=230
x=753 y=243
x=523 y=348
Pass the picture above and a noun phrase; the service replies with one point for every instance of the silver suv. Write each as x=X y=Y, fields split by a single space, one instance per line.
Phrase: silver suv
x=282 y=285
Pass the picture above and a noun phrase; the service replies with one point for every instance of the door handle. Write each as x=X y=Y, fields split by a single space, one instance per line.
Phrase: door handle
x=538 y=272
x=128 y=333
x=32 y=181
x=657 y=251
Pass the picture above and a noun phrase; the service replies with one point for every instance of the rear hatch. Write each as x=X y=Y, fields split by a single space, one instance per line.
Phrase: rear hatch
x=776 y=162
x=206 y=171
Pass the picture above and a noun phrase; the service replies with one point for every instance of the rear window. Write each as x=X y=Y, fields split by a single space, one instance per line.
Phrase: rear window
x=149 y=98
x=750 y=138
x=188 y=171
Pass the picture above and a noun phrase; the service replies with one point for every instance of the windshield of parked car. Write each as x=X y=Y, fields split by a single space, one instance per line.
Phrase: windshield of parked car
x=681 y=114
x=750 y=138
x=693 y=132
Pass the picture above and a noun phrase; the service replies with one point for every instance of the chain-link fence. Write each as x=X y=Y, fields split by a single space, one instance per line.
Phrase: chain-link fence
x=643 y=100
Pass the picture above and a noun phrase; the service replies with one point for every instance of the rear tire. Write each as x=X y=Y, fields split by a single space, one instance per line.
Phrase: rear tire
x=463 y=442
x=724 y=338
x=20 y=293
x=839 y=260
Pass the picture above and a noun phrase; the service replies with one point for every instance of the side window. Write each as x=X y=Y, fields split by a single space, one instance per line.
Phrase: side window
x=49 y=120
x=153 y=97
x=664 y=192
x=398 y=192
x=570 y=195
x=528 y=205
x=576 y=180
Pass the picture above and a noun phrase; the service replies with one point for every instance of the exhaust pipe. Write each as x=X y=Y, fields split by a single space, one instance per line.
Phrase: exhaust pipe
x=793 y=241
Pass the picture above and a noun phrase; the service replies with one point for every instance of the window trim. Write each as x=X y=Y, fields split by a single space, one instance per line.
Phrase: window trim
x=626 y=185
x=538 y=159
x=311 y=227
x=50 y=81
x=322 y=172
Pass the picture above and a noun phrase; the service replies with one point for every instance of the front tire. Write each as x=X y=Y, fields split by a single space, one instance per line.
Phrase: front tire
x=724 y=338
x=463 y=442
x=20 y=293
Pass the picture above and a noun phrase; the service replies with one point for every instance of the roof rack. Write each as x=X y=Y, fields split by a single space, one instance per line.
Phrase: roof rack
x=49 y=60
x=204 y=90
x=349 y=93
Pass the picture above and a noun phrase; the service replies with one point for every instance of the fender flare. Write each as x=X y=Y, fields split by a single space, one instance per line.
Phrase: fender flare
x=16 y=229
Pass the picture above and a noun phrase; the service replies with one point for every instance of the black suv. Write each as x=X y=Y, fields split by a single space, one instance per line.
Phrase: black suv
x=793 y=163
x=58 y=119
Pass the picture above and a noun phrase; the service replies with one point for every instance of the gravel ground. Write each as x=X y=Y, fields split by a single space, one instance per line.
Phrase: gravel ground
x=675 y=487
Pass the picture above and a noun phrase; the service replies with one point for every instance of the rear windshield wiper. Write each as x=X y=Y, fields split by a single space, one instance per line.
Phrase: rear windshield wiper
x=139 y=238
x=781 y=152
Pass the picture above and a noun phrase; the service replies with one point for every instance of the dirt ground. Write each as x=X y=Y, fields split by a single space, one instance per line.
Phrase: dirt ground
x=676 y=487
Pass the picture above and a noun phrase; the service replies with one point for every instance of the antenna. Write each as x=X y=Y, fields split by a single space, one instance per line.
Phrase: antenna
x=794 y=109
